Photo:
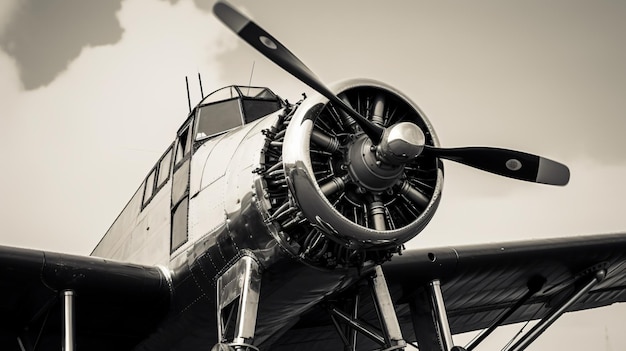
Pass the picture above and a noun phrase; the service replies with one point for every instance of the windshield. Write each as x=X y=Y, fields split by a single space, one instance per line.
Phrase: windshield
x=257 y=92
x=218 y=117
x=231 y=107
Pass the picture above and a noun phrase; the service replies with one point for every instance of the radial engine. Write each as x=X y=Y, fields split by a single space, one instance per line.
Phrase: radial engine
x=334 y=197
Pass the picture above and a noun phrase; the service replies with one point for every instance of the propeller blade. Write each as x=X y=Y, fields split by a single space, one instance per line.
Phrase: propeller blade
x=508 y=163
x=280 y=55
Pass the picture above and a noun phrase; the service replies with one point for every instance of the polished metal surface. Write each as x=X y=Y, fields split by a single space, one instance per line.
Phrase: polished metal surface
x=69 y=324
x=243 y=281
x=438 y=308
x=388 y=318
x=402 y=143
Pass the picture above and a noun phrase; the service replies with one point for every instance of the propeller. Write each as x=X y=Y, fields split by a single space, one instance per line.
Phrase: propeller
x=508 y=163
x=504 y=162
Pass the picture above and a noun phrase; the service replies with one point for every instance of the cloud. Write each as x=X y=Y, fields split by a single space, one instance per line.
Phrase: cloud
x=7 y=11
x=46 y=36
x=79 y=147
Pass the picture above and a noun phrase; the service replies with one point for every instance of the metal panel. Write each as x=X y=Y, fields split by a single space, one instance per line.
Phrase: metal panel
x=198 y=163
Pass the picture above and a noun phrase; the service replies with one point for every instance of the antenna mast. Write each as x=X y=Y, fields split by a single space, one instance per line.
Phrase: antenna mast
x=200 y=81
x=188 y=97
x=250 y=80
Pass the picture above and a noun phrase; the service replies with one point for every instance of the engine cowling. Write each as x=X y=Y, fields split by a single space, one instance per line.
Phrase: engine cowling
x=343 y=199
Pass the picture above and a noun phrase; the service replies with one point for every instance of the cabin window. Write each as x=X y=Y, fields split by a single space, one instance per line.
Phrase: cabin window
x=182 y=145
x=149 y=188
x=179 y=225
x=164 y=167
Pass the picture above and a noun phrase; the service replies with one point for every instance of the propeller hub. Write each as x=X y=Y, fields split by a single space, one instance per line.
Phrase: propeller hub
x=401 y=143
x=367 y=170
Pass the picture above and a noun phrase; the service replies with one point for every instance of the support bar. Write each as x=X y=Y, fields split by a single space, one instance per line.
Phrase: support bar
x=67 y=298
x=556 y=312
x=439 y=312
x=430 y=320
x=387 y=333
x=358 y=326
x=343 y=337
x=534 y=285
x=385 y=309
x=355 y=315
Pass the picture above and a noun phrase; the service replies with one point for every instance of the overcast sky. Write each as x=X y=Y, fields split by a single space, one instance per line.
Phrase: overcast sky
x=93 y=92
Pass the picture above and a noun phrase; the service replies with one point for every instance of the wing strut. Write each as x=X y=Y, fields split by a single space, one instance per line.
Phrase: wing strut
x=534 y=285
x=557 y=311
x=238 y=292
x=439 y=312
x=430 y=321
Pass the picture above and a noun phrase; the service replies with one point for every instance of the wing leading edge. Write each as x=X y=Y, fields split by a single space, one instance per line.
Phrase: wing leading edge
x=480 y=283
x=117 y=304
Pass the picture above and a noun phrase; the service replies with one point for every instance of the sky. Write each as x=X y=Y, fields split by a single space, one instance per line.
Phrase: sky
x=92 y=93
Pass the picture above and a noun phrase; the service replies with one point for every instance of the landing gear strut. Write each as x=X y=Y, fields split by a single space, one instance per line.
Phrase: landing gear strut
x=67 y=297
x=430 y=321
x=390 y=335
x=238 y=299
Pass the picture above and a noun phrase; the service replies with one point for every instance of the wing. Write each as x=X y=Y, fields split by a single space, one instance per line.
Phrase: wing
x=116 y=304
x=481 y=283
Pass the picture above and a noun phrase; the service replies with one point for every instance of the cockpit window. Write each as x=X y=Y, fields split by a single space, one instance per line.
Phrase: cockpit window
x=257 y=108
x=231 y=107
x=218 y=117
x=226 y=93
x=257 y=92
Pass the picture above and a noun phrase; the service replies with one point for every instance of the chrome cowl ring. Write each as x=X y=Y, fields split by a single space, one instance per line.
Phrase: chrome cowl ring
x=360 y=195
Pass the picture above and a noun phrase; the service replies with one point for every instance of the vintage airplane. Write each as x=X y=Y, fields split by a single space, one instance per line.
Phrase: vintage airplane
x=268 y=225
